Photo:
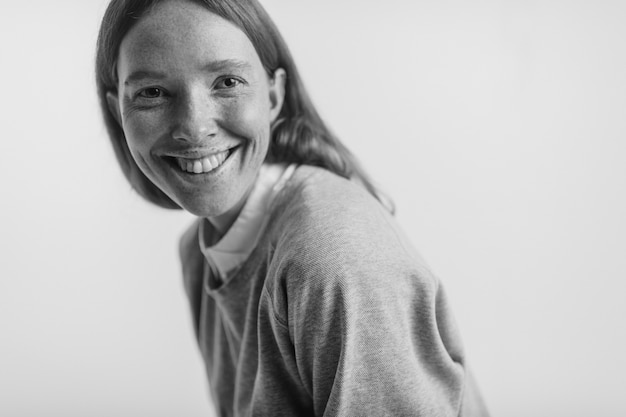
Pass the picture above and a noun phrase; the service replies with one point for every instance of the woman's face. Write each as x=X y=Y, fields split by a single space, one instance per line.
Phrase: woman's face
x=195 y=104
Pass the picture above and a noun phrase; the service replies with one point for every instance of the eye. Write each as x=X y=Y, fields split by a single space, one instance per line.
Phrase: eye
x=150 y=92
x=228 y=82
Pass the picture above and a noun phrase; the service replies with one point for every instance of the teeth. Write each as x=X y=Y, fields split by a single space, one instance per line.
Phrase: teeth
x=202 y=165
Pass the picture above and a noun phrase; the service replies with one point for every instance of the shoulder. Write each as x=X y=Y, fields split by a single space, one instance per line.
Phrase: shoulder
x=332 y=234
x=190 y=256
x=188 y=242
x=317 y=204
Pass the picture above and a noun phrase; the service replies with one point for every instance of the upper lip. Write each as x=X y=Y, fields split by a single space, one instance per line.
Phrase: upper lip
x=196 y=153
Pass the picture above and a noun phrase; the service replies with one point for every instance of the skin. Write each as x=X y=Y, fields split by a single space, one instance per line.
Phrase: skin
x=191 y=85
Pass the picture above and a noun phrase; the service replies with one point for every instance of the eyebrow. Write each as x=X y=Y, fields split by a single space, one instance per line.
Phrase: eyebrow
x=214 y=66
x=143 y=75
x=226 y=64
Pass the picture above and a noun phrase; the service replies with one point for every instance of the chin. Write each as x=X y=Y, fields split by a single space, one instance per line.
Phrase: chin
x=201 y=208
x=208 y=206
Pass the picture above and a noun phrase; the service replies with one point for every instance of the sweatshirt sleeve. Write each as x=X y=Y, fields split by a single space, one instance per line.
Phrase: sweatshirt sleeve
x=370 y=327
x=363 y=327
x=375 y=337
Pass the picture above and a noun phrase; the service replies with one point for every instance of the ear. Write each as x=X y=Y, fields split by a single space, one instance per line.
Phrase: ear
x=114 y=106
x=277 y=93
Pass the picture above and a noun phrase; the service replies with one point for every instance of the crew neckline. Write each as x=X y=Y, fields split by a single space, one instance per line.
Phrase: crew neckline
x=228 y=254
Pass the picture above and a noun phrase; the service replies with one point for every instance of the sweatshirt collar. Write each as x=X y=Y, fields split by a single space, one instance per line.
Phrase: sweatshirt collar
x=230 y=252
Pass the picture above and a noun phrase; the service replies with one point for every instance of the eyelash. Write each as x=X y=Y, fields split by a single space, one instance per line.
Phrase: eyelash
x=142 y=93
x=237 y=82
x=159 y=92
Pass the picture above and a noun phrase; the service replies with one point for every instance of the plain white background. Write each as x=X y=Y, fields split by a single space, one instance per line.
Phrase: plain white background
x=498 y=128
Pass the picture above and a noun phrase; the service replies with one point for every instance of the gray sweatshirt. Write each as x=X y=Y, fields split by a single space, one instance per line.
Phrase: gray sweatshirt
x=332 y=314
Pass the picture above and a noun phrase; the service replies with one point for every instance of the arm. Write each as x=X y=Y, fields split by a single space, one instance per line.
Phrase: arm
x=192 y=267
x=369 y=345
x=361 y=325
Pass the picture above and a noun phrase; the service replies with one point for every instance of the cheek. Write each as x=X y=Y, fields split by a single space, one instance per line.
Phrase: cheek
x=139 y=130
x=249 y=119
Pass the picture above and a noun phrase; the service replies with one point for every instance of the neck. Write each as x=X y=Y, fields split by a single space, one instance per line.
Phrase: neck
x=223 y=222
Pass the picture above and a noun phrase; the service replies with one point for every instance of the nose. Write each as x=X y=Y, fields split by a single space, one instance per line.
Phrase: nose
x=195 y=117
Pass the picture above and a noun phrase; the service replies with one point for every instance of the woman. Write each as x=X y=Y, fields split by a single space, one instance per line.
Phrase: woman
x=306 y=298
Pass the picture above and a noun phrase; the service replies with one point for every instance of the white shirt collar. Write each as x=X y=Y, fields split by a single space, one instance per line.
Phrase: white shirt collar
x=230 y=252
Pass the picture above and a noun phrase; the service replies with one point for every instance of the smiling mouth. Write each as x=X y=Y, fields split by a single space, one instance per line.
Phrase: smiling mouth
x=201 y=165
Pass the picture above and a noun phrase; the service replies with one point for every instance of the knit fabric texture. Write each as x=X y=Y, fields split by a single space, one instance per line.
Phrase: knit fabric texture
x=332 y=314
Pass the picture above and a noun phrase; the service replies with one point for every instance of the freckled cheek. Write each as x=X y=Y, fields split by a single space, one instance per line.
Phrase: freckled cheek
x=249 y=120
x=141 y=131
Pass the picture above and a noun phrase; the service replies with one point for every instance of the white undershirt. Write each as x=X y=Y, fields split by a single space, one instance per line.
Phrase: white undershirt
x=230 y=252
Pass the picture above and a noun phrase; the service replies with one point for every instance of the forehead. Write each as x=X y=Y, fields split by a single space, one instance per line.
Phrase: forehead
x=183 y=33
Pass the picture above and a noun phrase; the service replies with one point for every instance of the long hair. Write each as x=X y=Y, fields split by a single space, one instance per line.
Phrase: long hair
x=298 y=135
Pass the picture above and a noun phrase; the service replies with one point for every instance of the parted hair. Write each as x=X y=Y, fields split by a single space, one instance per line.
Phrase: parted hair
x=298 y=135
